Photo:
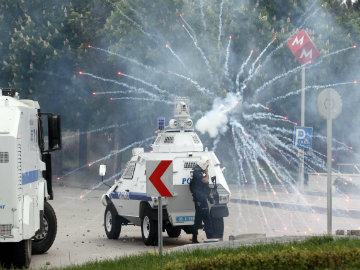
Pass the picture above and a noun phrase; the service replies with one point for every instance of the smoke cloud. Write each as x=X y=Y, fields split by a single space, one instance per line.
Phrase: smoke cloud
x=215 y=121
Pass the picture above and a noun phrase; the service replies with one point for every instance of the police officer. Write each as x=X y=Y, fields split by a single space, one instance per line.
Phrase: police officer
x=199 y=187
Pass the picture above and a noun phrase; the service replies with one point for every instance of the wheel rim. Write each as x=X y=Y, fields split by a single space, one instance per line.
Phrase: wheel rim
x=41 y=235
x=108 y=221
x=146 y=227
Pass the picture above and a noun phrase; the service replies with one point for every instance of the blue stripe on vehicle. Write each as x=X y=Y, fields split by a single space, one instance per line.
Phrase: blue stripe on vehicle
x=114 y=195
x=129 y=196
x=139 y=196
x=29 y=177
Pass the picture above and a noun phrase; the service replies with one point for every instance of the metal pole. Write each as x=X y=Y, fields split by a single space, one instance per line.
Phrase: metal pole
x=301 y=171
x=329 y=168
x=160 y=223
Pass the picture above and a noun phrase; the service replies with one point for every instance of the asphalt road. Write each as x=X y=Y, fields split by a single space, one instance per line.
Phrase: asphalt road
x=81 y=235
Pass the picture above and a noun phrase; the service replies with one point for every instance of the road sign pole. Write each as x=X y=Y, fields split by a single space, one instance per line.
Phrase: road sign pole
x=160 y=223
x=329 y=182
x=303 y=96
x=329 y=105
x=301 y=169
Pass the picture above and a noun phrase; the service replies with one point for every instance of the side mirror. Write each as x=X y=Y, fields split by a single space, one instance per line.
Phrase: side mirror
x=102 y=170
x=54 y=126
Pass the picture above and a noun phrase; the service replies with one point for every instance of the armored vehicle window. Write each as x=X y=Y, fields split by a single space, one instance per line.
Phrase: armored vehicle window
x=196 y=139
x=129 y=172
x=158 y=140
x=169 y=139
x=189 y=164
x=4 y=157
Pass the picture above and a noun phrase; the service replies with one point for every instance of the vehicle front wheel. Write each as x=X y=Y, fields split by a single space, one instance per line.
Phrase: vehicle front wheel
x=149 y=230
x=112 y=222
x=44 y=239
x=173 y=232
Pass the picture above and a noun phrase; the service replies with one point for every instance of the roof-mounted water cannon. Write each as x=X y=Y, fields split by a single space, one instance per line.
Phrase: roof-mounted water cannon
x=182 y=112
x=186 y=123
x=173 y=123
x=182 y=109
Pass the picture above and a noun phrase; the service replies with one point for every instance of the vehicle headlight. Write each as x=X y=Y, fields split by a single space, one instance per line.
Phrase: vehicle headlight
x=224 y=198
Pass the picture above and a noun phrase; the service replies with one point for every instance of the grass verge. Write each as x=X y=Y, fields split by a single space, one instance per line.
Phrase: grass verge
x=313 y=253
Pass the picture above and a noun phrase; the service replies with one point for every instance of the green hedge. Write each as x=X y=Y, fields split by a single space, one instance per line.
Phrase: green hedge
x=293 y=258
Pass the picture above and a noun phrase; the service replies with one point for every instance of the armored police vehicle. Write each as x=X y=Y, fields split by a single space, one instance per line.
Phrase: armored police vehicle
x=27 y=221
x=128 y=203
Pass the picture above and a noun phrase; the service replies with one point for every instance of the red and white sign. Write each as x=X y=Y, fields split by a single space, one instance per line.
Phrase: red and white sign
x=303 y=48
x=159 y=178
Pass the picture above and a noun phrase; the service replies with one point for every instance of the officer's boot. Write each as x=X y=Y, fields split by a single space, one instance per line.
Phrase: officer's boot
x=194 y=239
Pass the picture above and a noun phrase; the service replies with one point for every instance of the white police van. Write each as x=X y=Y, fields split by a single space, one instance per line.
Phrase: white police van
x=27 y=221
x=127 y=202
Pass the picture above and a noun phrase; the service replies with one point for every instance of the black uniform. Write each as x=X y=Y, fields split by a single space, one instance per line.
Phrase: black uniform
x=200 y=192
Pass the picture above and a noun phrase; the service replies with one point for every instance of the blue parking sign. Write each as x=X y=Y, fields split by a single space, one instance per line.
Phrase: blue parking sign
x=303 y=137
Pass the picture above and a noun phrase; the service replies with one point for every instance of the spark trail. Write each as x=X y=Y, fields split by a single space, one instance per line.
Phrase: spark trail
x=112 y=153
x=132 y=88
x=193 y=33
x=258 y=90
x=138 y=26
x=226 y=65
x=94 y=131
x=298 y=91
x=202 y=14
x=241 y=71
x=195 y=41
x=101 y=183
x=110 y=92
x=154 y=86
x=177 y=57
x=131 y=60
x=339 y=51
x=252 y=73
x=220 y=27
x=196 y=84
x=143 y=99
x=260 y=55
x=215 y=143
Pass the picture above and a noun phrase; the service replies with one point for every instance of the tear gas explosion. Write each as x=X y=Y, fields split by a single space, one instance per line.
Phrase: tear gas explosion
x=246 y=121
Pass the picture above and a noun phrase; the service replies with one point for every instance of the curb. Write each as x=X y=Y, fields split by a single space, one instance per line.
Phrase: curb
x=249 y=242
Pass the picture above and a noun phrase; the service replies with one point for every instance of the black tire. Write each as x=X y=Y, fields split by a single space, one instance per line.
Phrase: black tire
x=173 y=232
x=44 y=239
x=149 y=229
x=21 y=254
x=112 y=222
x=218 y=227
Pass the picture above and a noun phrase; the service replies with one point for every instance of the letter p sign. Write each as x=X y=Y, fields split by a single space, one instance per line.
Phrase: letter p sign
x=303 y=137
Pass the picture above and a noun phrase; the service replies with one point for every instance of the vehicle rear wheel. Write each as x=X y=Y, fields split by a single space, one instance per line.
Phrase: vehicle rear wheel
x=21 y=254
x=44 y=239
x=149 y=229
x=173 y=232
x=112 y=222
x=218 y=227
